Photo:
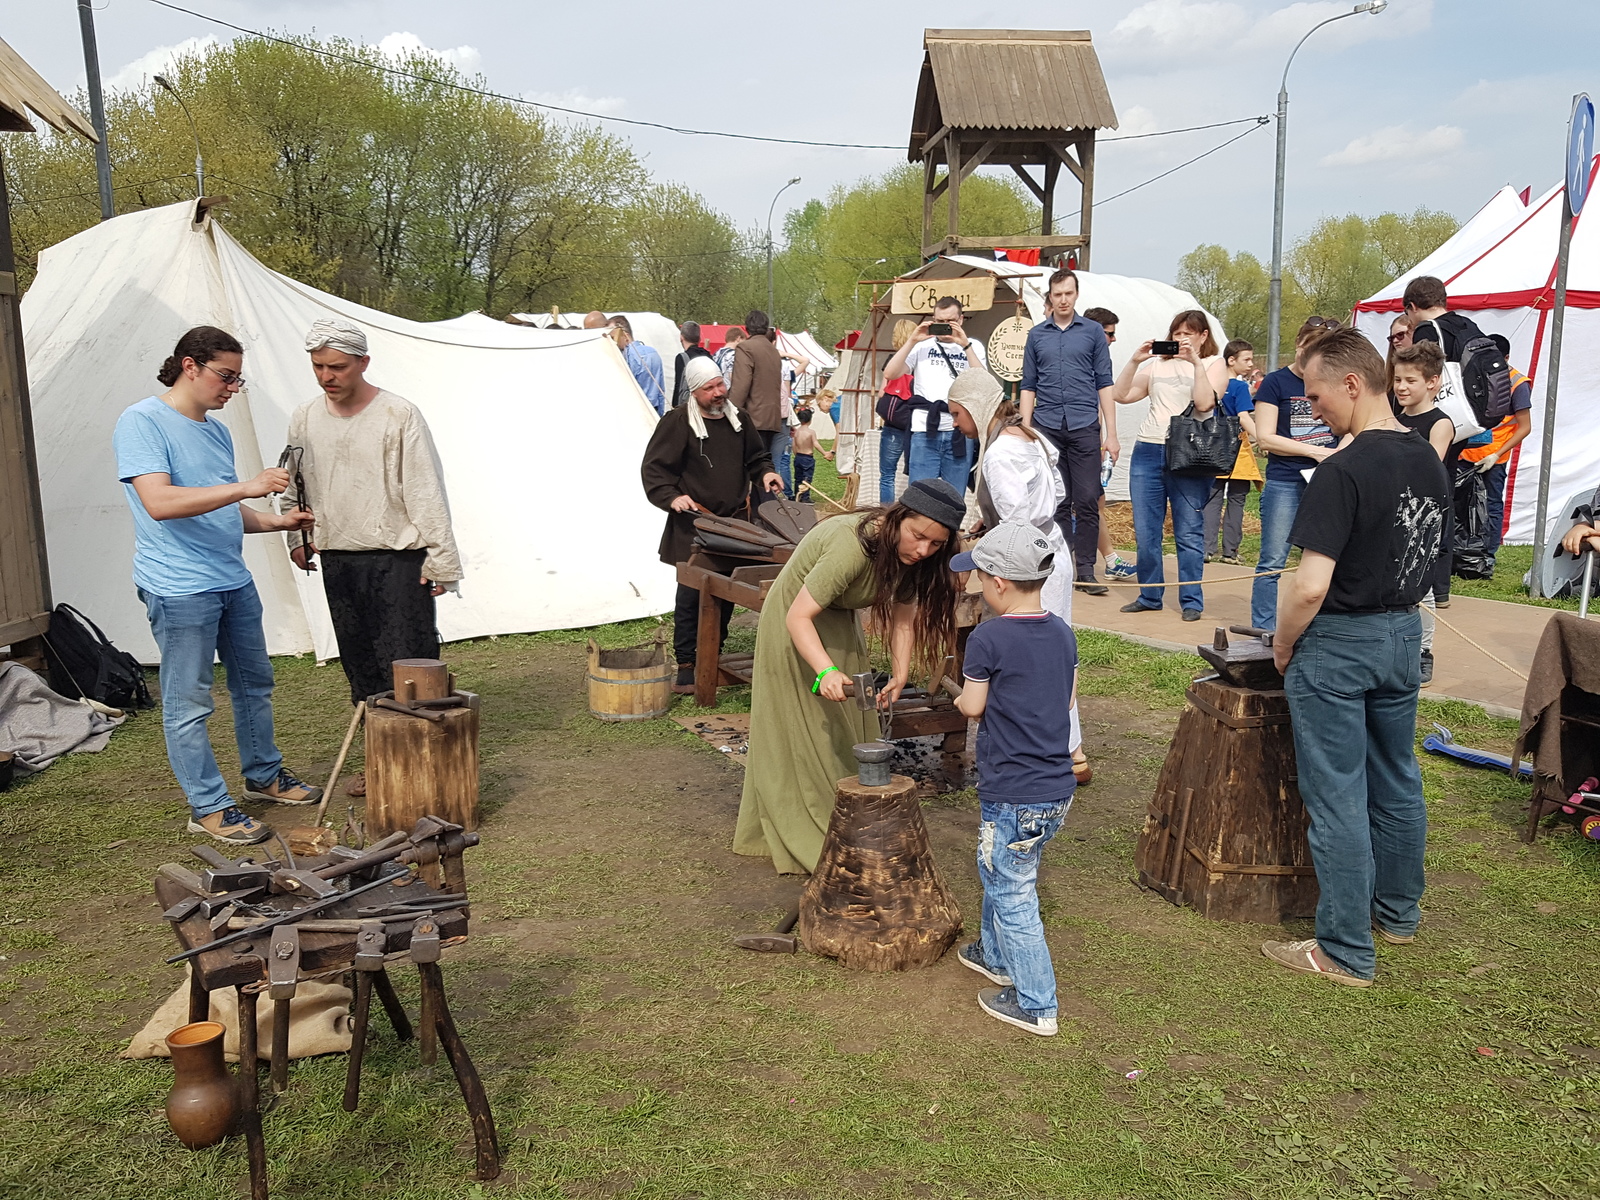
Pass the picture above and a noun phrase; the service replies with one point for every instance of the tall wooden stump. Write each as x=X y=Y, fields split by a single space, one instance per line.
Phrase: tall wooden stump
x=876 y=901
x=1226 y=830
x=416 y=767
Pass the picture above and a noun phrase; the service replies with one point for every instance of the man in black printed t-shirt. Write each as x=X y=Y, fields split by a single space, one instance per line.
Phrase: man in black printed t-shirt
x=1349 y=643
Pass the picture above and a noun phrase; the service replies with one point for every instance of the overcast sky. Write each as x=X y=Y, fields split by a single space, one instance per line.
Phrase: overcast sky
x=1433 y=102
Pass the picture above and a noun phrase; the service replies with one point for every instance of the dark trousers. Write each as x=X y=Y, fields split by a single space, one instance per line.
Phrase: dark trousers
x=686 y=624
x=805 y=470
x=381 y=611
x=1225 y=513
x=1495 y=480
x=1079 y=513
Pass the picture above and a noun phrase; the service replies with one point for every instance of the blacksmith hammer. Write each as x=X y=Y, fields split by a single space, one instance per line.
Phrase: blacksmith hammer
x=780 y=941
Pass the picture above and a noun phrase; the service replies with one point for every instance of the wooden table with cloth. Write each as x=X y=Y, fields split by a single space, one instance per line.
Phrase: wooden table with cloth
x=800 y=739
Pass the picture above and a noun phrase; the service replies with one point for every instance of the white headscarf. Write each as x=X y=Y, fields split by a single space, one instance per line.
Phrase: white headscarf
x=337 y=334
x=696 y=374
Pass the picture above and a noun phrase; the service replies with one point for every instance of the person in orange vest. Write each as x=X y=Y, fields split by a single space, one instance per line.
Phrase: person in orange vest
x=1505 y=437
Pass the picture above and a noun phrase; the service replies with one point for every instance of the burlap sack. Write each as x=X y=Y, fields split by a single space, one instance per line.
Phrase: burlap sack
x=319 y=1022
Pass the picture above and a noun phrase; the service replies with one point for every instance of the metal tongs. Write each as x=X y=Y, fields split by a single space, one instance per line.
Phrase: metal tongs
x=291 y=461
x=866 y=692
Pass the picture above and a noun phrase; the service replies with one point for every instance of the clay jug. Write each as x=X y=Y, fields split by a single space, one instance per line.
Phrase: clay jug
x=204 y=1101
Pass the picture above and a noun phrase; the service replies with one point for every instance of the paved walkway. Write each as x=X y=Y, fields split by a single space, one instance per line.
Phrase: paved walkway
x=1460 y=672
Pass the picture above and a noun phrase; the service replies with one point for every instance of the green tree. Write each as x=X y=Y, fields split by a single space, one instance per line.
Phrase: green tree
x=1338 y=263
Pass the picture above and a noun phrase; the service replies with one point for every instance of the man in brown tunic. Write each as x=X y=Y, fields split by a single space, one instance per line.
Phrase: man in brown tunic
x=756 y=390
x=702 y=458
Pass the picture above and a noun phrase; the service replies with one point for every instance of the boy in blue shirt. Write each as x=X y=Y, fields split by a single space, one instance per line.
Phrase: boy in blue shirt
x=1021 y=670
x=1225 y=510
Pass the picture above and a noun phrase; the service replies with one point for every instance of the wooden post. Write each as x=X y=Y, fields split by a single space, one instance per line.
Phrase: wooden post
x=24 y=564
x=930 y=172
x=876 y=901
x=417 y=767
x=1086 y=217
x=707 y=650
x=1052 y=168
x=953 y=181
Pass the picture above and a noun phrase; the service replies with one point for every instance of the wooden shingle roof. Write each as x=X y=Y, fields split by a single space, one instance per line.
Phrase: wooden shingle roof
x=22 y=88
x=1022 y=79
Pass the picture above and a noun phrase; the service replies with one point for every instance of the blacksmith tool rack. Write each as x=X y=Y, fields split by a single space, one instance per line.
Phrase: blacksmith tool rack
x=269 y=926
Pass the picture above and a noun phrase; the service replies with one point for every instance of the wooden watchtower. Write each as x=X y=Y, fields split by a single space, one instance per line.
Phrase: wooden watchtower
x=1008 y=97
x=24 y=567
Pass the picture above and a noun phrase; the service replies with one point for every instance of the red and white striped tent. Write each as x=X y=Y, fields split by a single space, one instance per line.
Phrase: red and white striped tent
x=1500 y=270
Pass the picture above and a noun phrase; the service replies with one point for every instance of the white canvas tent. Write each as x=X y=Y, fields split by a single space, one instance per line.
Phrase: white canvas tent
x=1499 y=269
x=651 y=328
x=540 y=434
x=1145 y=308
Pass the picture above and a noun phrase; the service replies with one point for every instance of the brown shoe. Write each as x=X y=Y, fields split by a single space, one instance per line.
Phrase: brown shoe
x=285 y=789
x=357 y=787
x=1081 y=770
x=684 y=684
x=1307 y=956
x=232 y=826
x=1394 y=939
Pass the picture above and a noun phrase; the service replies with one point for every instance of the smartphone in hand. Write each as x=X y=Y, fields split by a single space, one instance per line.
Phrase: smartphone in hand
x=1164 y=349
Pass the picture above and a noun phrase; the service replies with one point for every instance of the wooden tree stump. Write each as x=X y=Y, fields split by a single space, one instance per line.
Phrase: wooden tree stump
x=1226 y=830
x=417 y=767
x=876 y=901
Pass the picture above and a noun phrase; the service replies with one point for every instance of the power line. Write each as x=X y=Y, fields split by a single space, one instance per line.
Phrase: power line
x=594 y=116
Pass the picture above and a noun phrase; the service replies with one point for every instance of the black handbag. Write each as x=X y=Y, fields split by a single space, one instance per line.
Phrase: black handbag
x=1205 y=446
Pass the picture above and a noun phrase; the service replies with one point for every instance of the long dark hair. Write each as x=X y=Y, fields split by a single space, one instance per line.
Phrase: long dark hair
x=929 y=584
x=202 y=343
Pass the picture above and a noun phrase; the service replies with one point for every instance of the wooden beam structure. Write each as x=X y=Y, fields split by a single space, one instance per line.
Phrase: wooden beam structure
x=1008 y=98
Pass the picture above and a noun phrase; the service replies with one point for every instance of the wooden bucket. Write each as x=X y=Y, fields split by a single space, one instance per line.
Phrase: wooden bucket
x=630 y=685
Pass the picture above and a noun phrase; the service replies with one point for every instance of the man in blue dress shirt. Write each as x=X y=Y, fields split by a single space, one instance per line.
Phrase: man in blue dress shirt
x=1066 y=395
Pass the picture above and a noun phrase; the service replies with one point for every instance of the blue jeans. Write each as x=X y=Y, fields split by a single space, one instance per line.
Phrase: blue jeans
x=931 y=458
x=891 y=447
x=1352 y=688
x=1280 y=500
x=805 y=470
x=1152 y=488
x=778 y=449
x=1011 y=838
x=192 y=631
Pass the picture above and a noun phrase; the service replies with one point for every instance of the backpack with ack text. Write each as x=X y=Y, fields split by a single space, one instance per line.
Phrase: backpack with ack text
x=85 y=665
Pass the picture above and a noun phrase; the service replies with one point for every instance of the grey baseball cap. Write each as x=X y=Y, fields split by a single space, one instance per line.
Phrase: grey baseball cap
x=1011 y=550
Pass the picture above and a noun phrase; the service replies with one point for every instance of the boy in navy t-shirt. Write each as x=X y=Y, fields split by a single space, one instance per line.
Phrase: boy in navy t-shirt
x=1021 y=670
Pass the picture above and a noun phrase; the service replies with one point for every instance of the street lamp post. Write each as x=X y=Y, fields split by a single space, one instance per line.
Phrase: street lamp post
x=199 y=163
x=771 y=317
x=1275 y=296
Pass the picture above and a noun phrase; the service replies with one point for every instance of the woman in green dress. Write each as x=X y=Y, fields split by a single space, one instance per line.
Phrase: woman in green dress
x=894 y=561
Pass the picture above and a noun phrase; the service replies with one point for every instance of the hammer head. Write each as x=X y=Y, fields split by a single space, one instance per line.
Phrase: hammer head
x=866 y=691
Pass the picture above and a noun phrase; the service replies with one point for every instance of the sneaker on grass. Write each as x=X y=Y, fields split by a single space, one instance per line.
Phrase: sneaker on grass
x=285 y=789
x=970 y=956
x=231 y=825
x=1001 y=1004
x=1307 y=956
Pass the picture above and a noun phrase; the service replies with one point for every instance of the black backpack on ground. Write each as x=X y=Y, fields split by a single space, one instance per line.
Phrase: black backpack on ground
x=85 y=665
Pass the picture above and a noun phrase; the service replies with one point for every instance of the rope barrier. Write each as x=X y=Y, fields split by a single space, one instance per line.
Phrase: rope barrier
x=1197 y=582
x=1487 y=653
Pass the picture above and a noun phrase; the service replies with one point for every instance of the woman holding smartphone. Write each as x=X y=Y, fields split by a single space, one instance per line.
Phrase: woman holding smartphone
x=1184 y=370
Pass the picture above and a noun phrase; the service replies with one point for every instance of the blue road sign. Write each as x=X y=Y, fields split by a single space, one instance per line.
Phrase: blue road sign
x=1580 y=151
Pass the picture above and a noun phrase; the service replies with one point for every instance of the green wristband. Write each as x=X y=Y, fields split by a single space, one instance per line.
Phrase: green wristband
x=816 y=684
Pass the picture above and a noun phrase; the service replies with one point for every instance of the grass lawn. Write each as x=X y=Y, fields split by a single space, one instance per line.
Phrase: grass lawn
x=630 y=1051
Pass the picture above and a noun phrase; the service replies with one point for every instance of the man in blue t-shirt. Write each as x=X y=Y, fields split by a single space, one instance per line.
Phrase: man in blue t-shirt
x=1021 y=669
x=1295 y=440
x=175 y=460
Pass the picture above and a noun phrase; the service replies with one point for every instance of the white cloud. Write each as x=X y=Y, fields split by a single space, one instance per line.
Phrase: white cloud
x=1135 y=119
x=608 y=106
x=157 y=62
x=1190 y=27
x=399 y=45
x=1398 y=143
